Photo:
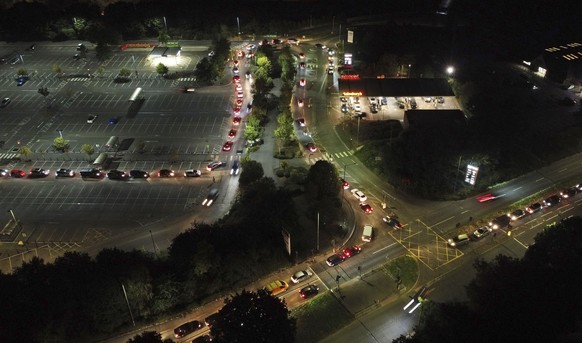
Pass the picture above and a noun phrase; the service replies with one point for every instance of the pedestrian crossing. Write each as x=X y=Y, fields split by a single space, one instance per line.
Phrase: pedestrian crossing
x=187 y=79
x=83 y=79
x=330 y=157
x=8 y=156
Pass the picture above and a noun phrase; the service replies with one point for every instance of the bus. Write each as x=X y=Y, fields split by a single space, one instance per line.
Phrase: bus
x=135 y=94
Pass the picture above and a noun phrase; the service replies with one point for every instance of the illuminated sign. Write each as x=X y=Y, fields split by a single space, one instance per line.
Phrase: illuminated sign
x=349 y=77
x=353 y=93
x=350 y=36
x=348 y=60
x=471 y=176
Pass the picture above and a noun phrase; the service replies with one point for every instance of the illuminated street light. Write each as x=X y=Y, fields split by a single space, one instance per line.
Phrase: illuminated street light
x=450 y=70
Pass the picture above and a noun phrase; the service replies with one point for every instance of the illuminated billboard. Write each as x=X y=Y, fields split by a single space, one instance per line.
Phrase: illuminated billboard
x=471 y=175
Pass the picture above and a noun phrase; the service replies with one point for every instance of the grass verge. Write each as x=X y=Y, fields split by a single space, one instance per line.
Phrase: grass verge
x=319 y=318
x=405 y=267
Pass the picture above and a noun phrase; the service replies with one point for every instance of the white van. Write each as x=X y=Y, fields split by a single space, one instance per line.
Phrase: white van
x=367 y=233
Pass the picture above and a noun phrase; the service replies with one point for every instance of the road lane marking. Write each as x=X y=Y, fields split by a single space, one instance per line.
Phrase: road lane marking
x=386 y=247
x=433 y=225
x=563 y=170
x=518 y=188
x=540 y=179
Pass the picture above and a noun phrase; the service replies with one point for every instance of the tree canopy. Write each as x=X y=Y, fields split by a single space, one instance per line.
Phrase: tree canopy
x=254 y=317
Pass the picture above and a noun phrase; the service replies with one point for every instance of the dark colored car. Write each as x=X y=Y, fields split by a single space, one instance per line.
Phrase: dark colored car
x=91 y=173
x=568 y=193
x=202 y=339
x=235 y=168
x=39 y=172
x=65 y=173
x=116 y=175
x=139 y=174
x=187 y=328
x=393 y=222
x=551 y=201
x=236 y=120
x=212 y=195
x=166 y=173
x=334 y=260
x=308 y=291
x=21 y=81
x=17 y=173
x=113 y=121
x=534 y=207
x=5 y=102
x=351 y=251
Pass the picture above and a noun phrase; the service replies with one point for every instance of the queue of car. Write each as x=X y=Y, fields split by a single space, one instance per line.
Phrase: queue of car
x=505 y=221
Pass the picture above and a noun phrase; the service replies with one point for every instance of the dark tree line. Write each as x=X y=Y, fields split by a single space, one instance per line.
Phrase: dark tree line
x=533 y=299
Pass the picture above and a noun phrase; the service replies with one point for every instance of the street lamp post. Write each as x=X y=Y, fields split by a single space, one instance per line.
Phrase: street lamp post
x=238 y=24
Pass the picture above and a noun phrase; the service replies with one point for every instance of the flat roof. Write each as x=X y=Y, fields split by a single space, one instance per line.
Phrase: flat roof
x=396 y=87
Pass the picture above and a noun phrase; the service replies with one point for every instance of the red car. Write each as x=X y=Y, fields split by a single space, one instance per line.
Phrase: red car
x=227 y=146
x=486 y=197
x=236 y=78
x=235 y=63
x=366 y=208
x=239 y=102
x=302 y=82
x=311 y=147
x=236 y=110
x=351 y=251
x=236 y=120
x=17 y=173
x=232 y=133
x=345 y=184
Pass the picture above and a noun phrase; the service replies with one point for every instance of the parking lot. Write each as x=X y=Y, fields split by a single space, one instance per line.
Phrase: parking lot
x=163 y=128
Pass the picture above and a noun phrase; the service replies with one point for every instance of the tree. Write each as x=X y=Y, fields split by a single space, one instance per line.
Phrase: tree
x=57 y=69
x=203 y=71
x=61 y=144
x=285 y=128
x=103 y=51
x=88 y=149
x=253 y=128
x=254 y=317
x=100 y=70
x=323 y=179
x=124 y=72
x=22 y=72
x=25 y=151
x=251 y=172
x=163 y=37
x=162 y=69
x=44 y=92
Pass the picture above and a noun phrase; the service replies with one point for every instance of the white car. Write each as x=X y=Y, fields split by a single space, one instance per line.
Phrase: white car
x=358 y=194
x=301 y=275
x=482 y=231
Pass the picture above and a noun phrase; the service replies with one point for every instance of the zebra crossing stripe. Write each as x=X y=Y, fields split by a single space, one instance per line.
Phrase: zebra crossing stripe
x=7 y=156
x=186 y=79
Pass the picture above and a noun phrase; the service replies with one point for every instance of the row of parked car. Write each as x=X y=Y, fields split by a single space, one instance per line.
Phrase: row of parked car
x=504 y=221
x=114 y=174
